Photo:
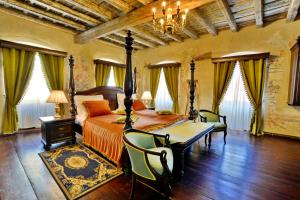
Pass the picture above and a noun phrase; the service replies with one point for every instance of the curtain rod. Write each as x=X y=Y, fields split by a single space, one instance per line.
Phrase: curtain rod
x=176 y=64
x=9 y=44
x=241 y=57
x=98 y=61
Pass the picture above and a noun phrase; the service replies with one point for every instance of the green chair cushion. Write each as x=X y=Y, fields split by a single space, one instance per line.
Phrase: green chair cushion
x=155 y=160
x=219 y=125
x=141 y=140
x=211 y=117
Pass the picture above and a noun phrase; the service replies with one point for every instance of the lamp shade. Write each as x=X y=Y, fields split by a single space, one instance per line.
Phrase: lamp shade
x=57 y=96
x=147 y=95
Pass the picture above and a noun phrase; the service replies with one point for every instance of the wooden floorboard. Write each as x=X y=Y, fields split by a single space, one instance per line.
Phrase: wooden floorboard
x=246 y=167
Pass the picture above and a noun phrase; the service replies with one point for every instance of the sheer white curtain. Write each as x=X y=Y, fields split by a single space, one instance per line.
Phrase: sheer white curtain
x=163 y=99
x=33 y=104
x=235 y=104
x=111 y=79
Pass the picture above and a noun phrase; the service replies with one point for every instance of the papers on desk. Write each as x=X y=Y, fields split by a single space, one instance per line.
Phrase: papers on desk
x=183 y=132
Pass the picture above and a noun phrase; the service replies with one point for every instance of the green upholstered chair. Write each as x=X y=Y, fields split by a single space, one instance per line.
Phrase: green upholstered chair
x=209 y=116
x=151 y=163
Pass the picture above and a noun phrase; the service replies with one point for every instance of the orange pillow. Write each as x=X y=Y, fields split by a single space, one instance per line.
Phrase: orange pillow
x=97 y=108
x=138 y=105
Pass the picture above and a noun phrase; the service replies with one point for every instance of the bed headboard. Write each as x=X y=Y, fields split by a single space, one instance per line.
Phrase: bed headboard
x=109 y=93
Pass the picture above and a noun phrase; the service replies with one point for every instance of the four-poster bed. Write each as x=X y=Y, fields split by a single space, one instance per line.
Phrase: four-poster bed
x=103 y=135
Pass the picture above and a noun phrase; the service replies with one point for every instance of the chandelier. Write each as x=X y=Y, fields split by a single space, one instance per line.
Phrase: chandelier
x=169 y=23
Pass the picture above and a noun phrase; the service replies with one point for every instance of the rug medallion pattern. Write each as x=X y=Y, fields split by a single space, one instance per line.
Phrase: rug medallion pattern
x=78 y=170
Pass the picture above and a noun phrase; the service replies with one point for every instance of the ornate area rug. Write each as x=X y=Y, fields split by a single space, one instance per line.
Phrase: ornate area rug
x=78 y=170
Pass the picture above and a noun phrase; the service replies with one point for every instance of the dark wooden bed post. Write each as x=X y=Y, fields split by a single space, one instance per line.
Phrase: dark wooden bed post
x=72 y=87
x=135 y=80
x=128 y=85
x=192 y=90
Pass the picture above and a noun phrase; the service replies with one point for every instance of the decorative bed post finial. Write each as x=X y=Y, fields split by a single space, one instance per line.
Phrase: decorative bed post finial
x=128 y=85
x=72 y=87
x=192 y=90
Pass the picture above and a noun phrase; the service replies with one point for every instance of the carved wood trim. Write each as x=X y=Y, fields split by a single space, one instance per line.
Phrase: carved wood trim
x=242 y=57
x=9 y=44
x=176 y=64
x=99 y=61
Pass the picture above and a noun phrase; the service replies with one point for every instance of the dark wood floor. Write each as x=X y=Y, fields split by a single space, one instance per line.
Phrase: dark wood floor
x=245 y=168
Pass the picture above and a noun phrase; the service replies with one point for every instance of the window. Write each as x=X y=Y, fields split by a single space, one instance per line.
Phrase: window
x=33 y=105
x=163 y=99
x=235 y=104
x=111 y=79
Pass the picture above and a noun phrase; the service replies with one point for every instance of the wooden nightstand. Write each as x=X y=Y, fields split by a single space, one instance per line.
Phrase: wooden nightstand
x=151 y=108
x=57 y=130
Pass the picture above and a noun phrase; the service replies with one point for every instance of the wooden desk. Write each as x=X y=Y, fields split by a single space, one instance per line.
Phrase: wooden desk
x=182 y=136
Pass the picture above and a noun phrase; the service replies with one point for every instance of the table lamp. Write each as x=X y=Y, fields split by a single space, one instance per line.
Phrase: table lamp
x=57 y=97
x=147 y=97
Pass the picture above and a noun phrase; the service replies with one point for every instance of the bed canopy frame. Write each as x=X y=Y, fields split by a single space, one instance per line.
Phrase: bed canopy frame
x=130 y=86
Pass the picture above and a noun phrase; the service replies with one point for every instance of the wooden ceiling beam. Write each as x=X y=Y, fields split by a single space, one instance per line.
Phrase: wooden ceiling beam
x=91 y=7
x=259 y=13
x=65 y=11
x=133 y=18
x=204 y=22
x=293 y=10
x=137 y=39
x=223 y=5
x=191 y=33
x=147 y=35
x=21 y=6
x=120 y=5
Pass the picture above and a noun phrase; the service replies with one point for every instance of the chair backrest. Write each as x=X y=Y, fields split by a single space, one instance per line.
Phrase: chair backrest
x=135 y=142
x=211 y=117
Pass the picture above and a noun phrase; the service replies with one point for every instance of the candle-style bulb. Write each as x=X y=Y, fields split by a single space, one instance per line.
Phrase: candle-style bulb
x=178 y=3
x=154 y=10
x=163 y=4
x=186 y=11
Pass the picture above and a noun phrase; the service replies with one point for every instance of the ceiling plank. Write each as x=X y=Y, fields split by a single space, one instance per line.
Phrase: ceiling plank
x=259 y=13
x=293 y=10
x=223 y=5
x=191 y=33
x=204 y=22
x=174 y=37
x=133 y=18
x=66 y=11
x=120 y=5
x=147 y=35
x=137 y=39
x=121 y=41
x=42 y=14
x=144 y=2
x=91 y=7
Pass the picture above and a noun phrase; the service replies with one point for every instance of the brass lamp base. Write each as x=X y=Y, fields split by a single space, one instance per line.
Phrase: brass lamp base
x=57 y=111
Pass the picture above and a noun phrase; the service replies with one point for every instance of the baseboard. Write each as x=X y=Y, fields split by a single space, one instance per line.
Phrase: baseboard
x=282 y=135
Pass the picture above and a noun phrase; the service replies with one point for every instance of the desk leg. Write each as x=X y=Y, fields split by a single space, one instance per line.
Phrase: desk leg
x=209 y=140
x=178 y=164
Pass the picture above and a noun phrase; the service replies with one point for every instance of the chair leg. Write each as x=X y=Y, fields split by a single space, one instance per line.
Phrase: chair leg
x=225 y=134
x=132 y=187
x=205 y=140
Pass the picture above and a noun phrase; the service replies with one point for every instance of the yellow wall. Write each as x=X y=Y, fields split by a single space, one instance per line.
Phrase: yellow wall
x=16 y=29
x=276 y=38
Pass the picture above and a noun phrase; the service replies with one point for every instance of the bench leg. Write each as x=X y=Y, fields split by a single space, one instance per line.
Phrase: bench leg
x=209 y=140
x=225 y=134
x=206 y=140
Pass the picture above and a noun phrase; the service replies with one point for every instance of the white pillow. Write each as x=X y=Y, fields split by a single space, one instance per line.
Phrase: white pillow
x=78 y=99
x=120 y=98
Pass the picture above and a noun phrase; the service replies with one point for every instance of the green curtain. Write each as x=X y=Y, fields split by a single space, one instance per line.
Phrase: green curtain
x=222 y=76
x=53 y=67
x=172 y=75
x=18 y=66
x=119 y=74
x=102 y=74
x=154 y=81
x=253 y=72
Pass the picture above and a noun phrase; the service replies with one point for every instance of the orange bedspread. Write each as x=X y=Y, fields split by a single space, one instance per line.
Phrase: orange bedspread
x=105 y=136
